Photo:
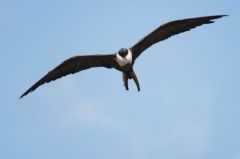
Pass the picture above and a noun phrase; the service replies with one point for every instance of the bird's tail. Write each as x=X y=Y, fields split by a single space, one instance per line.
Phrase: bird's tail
x=135 y=80
x=125 y=80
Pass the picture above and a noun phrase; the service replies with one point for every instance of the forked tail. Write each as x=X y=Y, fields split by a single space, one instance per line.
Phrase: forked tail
x=135 y=80
x=133 y=76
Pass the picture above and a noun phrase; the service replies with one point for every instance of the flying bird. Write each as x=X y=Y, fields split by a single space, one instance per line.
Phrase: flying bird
x=124 y=59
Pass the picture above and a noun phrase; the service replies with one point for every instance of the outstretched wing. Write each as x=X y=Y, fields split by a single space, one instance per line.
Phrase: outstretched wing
x=73 y=65
x=169 y=29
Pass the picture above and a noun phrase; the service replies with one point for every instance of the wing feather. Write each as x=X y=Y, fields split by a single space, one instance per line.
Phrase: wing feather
x=73 y=65
x=169 y=29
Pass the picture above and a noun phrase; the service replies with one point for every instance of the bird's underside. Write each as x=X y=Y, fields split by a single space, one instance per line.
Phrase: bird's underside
x=124 y=59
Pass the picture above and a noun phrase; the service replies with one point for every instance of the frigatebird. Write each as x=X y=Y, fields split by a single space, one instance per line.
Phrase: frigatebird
x=125 y=58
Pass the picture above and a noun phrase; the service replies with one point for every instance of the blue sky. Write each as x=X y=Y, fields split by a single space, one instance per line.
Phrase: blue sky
x=189 y=104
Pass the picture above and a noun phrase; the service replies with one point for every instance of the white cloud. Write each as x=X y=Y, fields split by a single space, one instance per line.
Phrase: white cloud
x=88 y=113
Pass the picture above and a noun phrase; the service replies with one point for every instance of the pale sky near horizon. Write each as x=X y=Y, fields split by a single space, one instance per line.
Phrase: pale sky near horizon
x=189 y=103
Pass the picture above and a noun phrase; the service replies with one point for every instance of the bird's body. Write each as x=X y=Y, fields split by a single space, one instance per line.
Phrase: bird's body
x=124 y=59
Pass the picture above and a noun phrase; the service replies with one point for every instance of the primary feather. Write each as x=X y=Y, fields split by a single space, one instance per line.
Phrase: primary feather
x=169 y=29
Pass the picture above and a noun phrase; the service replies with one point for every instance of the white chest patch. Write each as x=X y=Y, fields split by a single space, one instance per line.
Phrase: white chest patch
x=124 y=61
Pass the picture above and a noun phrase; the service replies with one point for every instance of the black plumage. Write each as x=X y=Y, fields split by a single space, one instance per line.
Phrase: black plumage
x=79 y=63
x=169 y=29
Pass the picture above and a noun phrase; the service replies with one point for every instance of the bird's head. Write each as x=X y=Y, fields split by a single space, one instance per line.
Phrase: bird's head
x=123 y=52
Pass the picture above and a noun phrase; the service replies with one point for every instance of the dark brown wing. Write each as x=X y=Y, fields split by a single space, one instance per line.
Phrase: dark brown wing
x=169 y=29
x=73 y=65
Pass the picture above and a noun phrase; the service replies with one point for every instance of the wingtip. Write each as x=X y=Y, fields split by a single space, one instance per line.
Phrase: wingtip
x=214 y=17
x=24 y=94
x=220 y=16
x=21 y=96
